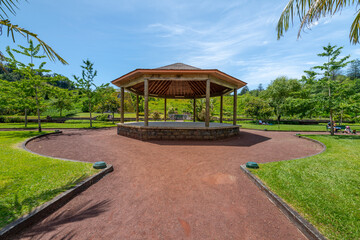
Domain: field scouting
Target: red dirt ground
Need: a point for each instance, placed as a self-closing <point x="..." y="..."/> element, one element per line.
<point x="170" y="189"/>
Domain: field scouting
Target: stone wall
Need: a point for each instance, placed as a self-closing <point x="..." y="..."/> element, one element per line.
<point x="149" y="133"/>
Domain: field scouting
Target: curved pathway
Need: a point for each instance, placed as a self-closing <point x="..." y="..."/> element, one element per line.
<point x="170" y="189"/>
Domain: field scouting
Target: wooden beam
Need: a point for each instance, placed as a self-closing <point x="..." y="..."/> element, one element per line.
<point x="132" y="82"/>
<point x="222" y="83"/>
<point x="165" y="109"/>
<point x="221" y="108"/>
<point x="235" y="106"/>
<point x="137" y="107"/>
<point x="207" y="110"/>
<point x="194" y="110"/>
<point x="146" y="107"/>
<point x="122" y="105"/>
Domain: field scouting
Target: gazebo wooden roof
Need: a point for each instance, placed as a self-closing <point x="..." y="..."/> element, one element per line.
<point x="179" y="81"/>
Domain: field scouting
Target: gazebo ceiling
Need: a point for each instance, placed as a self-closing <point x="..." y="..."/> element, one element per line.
<point x="179" y="81"/>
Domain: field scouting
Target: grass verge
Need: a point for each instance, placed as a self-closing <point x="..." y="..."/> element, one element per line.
<point x="28" y="180"/>
<point x="291" y="127"/>
<point x="324" y="188"/>
<point x="67" y="124"/>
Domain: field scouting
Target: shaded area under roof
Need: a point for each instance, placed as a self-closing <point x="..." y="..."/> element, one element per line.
<point x="179" y="80"/>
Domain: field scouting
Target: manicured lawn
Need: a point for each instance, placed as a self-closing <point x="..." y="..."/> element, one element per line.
<point x="28" y="180"/>
<point x="324" y="188"/>
<point x="291" y="127"/>
<point x="67" y="124"/>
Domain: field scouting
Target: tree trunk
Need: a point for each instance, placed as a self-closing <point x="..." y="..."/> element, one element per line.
<point x="38" y="109"/>
<point x="332" y="130"/>
<point x="26" y="120"/>
<point x="90" y="112"/>
<point x="113" y="117"/>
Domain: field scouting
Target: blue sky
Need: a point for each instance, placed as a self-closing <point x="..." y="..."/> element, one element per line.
<point x="237" y="37"/>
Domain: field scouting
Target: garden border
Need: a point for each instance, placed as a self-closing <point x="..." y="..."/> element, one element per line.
<point x="300" y="222"/>
<point x="57" y="202"/>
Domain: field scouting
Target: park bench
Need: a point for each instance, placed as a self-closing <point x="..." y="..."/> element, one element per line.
<point x="337" y="128"/>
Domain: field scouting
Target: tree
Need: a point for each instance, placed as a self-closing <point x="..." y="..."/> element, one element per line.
<point x="354" y="69"/>
<point x="328" y="84"/>
<point x="102" y="96"/>
<point x="257" y="108"/>
<point x="86" y="83"/>
<point x="244" y="90"/>
<point x="278" y="91"/>
<point x="9" y="6"/>
<point x="63" y="100"/>
<point x="260" y="87"/>
<point x="310" y="11"/>
<point x="34" y="83"/>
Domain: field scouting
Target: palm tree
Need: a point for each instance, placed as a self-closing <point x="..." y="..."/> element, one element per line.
<point x="9" y="6"/>
<point x="309" y="11"/>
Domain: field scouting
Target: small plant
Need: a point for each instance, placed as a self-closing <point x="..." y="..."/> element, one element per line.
<point x="156" y="115"/>
<point x="102" y="117"/>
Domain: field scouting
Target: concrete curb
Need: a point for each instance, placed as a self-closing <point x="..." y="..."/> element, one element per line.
<point x="301" y="223"/>
<point x="51" y="206"/>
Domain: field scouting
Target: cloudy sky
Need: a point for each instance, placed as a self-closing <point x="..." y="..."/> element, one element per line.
<point x="235" y="36"/>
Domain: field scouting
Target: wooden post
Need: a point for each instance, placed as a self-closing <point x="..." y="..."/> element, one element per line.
<point x="221" y="108"/>
<point x="122" y="105"/>
<point x="207" y="111"/>
<point x="146" y="107"/>
<point x="137" y="107"/>
<point x="194" y="111"/>
<point x="235" y="106"/>
<point x="165" y="109"/>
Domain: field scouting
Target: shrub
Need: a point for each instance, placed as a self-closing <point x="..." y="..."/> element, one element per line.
<point x="156" y="115"/>
<point x="102" y="117"/>
<point x="2" y="119"/>
<point x="13" y="120"/>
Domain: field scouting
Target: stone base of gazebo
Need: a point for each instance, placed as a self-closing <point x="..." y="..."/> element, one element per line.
<point x="177" y="130"/>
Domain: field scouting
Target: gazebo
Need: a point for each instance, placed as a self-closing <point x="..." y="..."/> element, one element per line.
<point x="176" y="81"/>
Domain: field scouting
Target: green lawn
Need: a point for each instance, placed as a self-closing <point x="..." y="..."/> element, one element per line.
<point x="324" y="188"/>
<point x="291" y="127"/>
<point x="28" y="180"/>
<point x="67" y="124"/>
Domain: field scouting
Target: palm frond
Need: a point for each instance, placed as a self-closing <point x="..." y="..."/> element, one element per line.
<point x="9" y="5"/>
<point x="51" y="54"/>
<point x="310" y="11"/>
<point x="355" y="29"/>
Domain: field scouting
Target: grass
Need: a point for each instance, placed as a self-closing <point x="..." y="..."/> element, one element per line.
<point x="291" y="127"/>
<point x="67" y="124"/>
<point x="28" y="180"/>
<point x="324" y="188"/>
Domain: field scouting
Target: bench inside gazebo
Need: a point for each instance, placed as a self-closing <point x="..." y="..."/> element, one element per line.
<point x="178" y="81"/>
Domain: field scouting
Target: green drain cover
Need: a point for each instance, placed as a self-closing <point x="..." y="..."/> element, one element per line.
<point x="252" y="165"/>
<point x="99" y="165"/>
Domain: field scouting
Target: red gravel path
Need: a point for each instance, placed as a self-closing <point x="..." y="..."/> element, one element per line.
<point x="170" y="190"/>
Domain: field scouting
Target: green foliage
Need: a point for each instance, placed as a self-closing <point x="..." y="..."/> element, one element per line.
<point x="323" y="188"/>
<point x="278" y="91"/>
<point x="330" y="89"/>
<point x="86" y="83"/>
<point x="102" y="117"/>
<point x="257" y="108"/>
<point x="63" y="100"/>
<point x="155" y="115"/>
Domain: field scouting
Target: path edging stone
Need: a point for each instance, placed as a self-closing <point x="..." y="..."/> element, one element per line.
<point x="51" y="206"/>
<point x="301" y="223"/>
